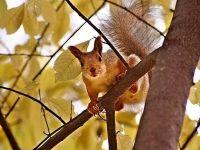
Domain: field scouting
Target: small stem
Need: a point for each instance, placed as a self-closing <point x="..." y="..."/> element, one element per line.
<point x="34" y="99"/>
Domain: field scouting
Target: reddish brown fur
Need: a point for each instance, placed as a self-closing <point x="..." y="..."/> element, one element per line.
<point x="101" y="71"/>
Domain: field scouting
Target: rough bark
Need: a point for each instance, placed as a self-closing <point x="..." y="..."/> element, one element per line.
<point x="164" y="111"/>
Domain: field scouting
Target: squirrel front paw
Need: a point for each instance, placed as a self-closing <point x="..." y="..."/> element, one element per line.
<point x="120" y="76"/>
<point x="93" y="108"/>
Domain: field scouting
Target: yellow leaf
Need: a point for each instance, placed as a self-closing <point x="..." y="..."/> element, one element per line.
<point x="76" y="134"/>
<point x="194" y="95"/>
<point x="17" y="62"/>
<point x="3" y="58"/>
<point x="198" y="65"/>
<point x="27" y="48"/>
<point x="67" y="67"/>
<point x="89" y="130"/>
<point x="62" y="107"/>
<point x="30" y="86"/>
<point x="10" y="72"/>
<point x="48" y="12"/>
<point x="87" y="7"/>
<point x="124" y="142"/>
<point x="30" y="23"/>
<point x="3" y="7"/>
<point x="187" y="128"/>
<point x="32" y="69"/>
<point x="127" y="119"/>
<point x="34" y="7"/>
<point x="12" y="19"/>
<point x="62" y="24"/>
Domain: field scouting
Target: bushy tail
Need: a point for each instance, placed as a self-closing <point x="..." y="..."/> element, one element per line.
<point x="129" y="34"/>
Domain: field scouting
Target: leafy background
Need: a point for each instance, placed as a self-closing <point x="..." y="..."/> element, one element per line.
<point x="33" y="58"/>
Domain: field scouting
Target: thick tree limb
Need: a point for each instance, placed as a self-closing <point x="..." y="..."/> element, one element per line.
<point x="131" y="76"/>
<point x="166" y="101"/>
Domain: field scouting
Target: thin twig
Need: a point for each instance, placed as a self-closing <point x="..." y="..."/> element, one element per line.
<point x="13" y="106"/>
<point x="95" y="28"/>
<point x="44" y="114"/>
<point x="8" y="133"/>
<point x="45" y="139"/>
<point x="191" y="135"/>
<point x="145" y="65"/>
<point x="23" y="68"/>
<point x="23" y="54"/>
<point x="36" y="100"/>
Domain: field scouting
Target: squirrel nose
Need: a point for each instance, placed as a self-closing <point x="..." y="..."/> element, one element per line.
<point x="92" y="70"/>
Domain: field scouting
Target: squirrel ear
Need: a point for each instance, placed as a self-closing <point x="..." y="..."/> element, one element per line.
<point x="98" y="45"/>
<point x="75" y="51"/>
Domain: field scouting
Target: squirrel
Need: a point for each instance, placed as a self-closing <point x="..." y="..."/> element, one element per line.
<point x="134" y="39"/>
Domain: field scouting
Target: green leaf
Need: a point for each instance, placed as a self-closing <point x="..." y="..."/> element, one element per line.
<point x="124" y="142"/>
<point x="48" y="12"/>
<point x="67" y="67"/>
<point x="12" y="19"/>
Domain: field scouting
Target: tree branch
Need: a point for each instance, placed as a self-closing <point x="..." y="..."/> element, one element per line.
<point x="162" y="119"/>
<point x="111" y="129"/>
<point x="98" y="31"/>
<point x="34" y="99"/>
<point x="8" y="133"/>
<point x="131" y="77"/>
<point x="26" y="63"/>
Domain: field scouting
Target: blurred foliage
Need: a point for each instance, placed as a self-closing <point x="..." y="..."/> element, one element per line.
<point x="26" y="120"/>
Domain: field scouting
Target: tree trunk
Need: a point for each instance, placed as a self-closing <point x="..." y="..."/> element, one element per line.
<point x="164" y="111"/>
